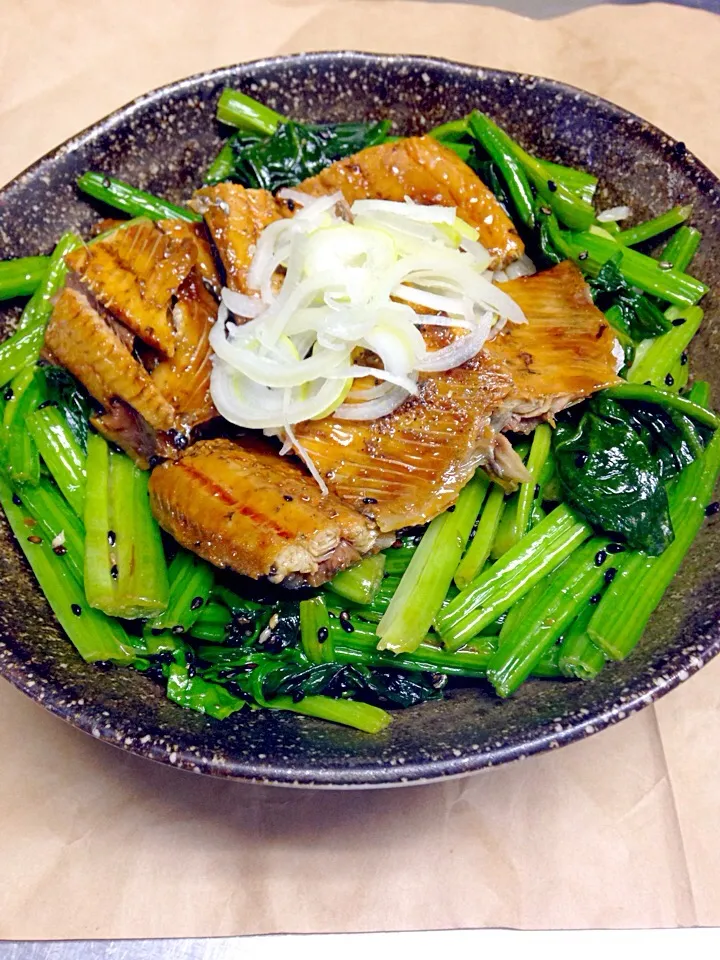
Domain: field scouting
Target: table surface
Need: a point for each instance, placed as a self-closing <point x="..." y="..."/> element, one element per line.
<point x="619" y="830"/>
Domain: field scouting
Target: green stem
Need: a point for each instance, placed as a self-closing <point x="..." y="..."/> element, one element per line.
<point x="55" y="520"/>
<point x="539" y="552"/>
<point x="580" y="658"/>
<point x="592" y="251"/>
<point x="651" y="228"/>
<point x="452" y="130"/>
<point x="361" y="582"/>
<point x="23" y="460"/>
<point x="142" y="579"/>
<point x="21" y="277"/>
<point x="548" y="666"/>
<point x="239" y="110"/>
<point x="349" y="713"/>
<point x="539" y="452"/>
<point x="646" y="393"/>
<point x="315" y="631"/>
<point x="23" y="347"/>
<point x="191" y="580"/>
<point x="505" y="160"/>
<point x="654" y="358"/>
<point x="136" y="203"/>
<point x="61" y="453"/>
<point x="581" y="182"/>
<point x="565" y="594"/>
<point x="95" y="636"/>
<point x="568" y="207"/>
<point x="222" y="166"/>
<point x="481" y="545"/>
<point x="100" y="585"/>
<point x="620" y="619"/>
<point x="426" y="581"/>
<point x="681" y="247"/>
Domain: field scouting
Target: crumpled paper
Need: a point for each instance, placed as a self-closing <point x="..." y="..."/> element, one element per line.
<point x="619" y="830"/>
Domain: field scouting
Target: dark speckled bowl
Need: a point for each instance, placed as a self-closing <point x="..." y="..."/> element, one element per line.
<point x="163" y="142"/>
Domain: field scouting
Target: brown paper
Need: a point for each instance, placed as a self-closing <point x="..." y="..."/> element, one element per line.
<point x="619" y="830"/>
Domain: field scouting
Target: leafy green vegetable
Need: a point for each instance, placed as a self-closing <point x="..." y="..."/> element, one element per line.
<point x="639" y="317"/>
<point x="296" y="151"/>
<point x="66" y="393"/>
<point x="610" y="473"/>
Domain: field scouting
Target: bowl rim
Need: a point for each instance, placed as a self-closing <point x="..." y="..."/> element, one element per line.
<point x="366" y="776"/>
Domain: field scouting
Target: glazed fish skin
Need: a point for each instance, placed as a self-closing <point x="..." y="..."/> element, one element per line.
<point x="235" y="218"/>
<point x="204" y="257"/>
<point x="80" y="339"/>
<point x="408" y="467"/>
<point x="184" y="378"/>
<point x="564" y="352"/>
<point x="239" y="505"/>
<point x="429" y="173"/>
<point x="134" y="273"/>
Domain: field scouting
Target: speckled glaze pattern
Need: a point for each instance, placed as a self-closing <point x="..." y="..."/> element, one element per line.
<point x="163" y="142"/>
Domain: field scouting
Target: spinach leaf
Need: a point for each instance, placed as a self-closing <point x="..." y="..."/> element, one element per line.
<point x="609" y="473"/>
<point x="71" y="398"/>
<point x="363" y="683"/>
<point x="638" y="316"/>
<point x="297" y="151"/>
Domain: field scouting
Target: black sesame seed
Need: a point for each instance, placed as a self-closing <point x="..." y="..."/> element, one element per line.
<point x="665" y="265"/>
<point x="712" y="508"/>
<point x="679" y="148"/>
<point x="669" y="379"/>
<point x="584" y="255"/>
<point x="34" y="539"/>
<point x="678" y="321"/>
<point x="16" y="500"/>
<point x="536" y="493"/>
<point x="322" y="634"/>
<point x="595" y="598"/>
<point x="191" y="671"/>
<point x="451" y="508"/>
<point x="615" y="548"/>
<point x="106" y="183"/>
<point x="286" y="496"/>
<point x="76" y="609"/>
<point x="344" y="614"/>
<point x="178" y="629"/>
<point x="648" y="383"/>
<point x="369" y="500"/>
<point x="47" y="403"/>
<point x="600" y="558"/>
<point x="581" y="459"/>
<point x="298" y="696"/>
<point x="115" y="448"/>
<point x="114" y="572"/>
<point x="290" y="205"/>
<point x="552" y="186"/>
<point x="683" y="359"/>
<point x="9" y="394"/>
<point x="546" y="210"/>
<point x="610" y="574"/>
<point x="154" y="461"/>
<point x="60" y="550"/>
<point x="111" y="537"/>
<point x="347" y="626"/>
<point x="197" y="602"/>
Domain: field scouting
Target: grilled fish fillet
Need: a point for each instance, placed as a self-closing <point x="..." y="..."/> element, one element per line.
<point x="235" y="218"/>
<point x="240" y="505"/>
<point x="408" y="467"/>
<point x="204" y="258"/>
<point x="134" y="273"/>
<point x="79" y="338"/>
<point x="184" y="378"/>
<point x="428" y="173"/>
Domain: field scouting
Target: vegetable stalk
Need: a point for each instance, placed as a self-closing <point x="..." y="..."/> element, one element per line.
<point x="136" y="203"/>
<point x="21" y="277"/>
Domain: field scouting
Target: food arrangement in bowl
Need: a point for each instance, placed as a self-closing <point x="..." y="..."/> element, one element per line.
<point x="368" y="417"/>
